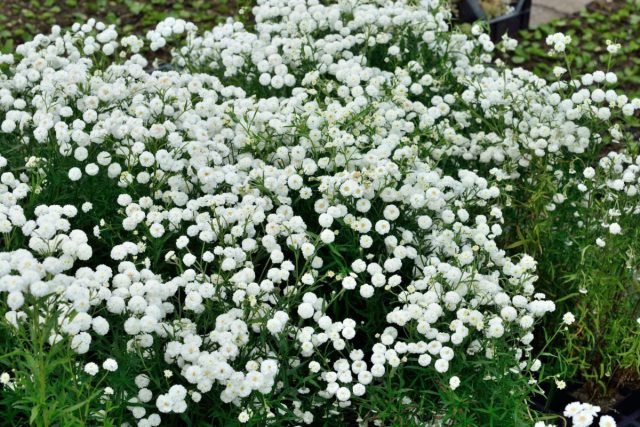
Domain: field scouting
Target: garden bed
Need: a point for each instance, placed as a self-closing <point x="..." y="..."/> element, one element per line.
<point x="347" y="213"/>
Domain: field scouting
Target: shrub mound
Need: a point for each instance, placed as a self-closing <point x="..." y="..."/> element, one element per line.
<point x="330" y="219"/>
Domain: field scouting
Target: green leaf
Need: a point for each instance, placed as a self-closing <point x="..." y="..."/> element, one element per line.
<point x="7" y="46"/>
<point x="35" y="412"/>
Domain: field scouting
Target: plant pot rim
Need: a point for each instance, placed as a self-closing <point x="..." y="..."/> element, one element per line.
<point x="477" y="10"/>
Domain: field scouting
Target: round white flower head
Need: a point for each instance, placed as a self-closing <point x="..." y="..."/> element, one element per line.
<point x="110" y="365"/>
<point x="615" y="228"/>
<point x="568" y="318"/>
<point x="75" y="174"/>
<point x="91" y="368"/>
<point x="454" y="382"/>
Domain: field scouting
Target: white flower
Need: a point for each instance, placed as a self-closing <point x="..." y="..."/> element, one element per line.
<point x="81" y="342"/>
<point x="612" y="48"/>
<point x="454" y="382"/>
<point x="391" y="212"/>
<point x="343" y="394"/>
<point x="607" y="421"/>
<point x="568" y="318"/>
<point x="91" y="368"/>
<point x="110" y="365"/>
<point x="163" y="403"/>
<point x="536" y="365"/>
<point x="5" y="378"/>
<point x="189" y="259"/>
<point x="142" y="381"/>
<point x="615" y="228"/>
<point x="572" y="409"/>
<point x="558" y="41"/>
<point x="325" y="220"/>
<point x="244" y="417"/>
<point x="582" y="419"/>
<point x="100" y="325"/>
<point x="367" y="291"/>
<point x="314" y="367"/>
<point x="441" y="365"/>
<point x="295" y="182"/>
<point x="75" y="174"/>
<point x="424" y="360"/>
<point x="382" y="227"/>
<point x="611" y="78"/>
<point x="8" y="126"/>
<point x="305" y="310"/>
<point x="559" y="71"/>
<point x="349" y="283"/>
<point x="156" y="230"/>
<point x="327" y="236"/>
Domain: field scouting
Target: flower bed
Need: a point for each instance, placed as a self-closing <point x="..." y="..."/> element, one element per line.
<point x="327" y="220"/>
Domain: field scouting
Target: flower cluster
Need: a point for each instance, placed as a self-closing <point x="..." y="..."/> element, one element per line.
<point x="583" y="415"/>
<point x="291" y="220"/>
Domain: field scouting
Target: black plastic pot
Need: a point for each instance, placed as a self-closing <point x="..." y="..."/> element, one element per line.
<point x="511" y="23"/>
<point x="626" y="411"/>
<point x="163" y="66"/>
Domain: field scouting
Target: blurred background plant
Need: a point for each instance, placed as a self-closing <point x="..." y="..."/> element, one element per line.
<point x="616" y="21"/>
<point x="494" y="8"/>
<point x="491" y="8"/>
<point x="20" y="20"/>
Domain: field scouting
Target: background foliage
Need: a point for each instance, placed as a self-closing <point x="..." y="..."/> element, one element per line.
<point x="20" y="20"/>
<point x="602" y="20"/>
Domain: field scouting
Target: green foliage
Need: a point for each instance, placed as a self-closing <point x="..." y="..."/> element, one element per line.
<point x="56" y="391"/>
<point x="599" y="285"/>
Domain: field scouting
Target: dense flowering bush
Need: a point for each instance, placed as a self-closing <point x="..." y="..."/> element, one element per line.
<point x="316" y="222"/>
